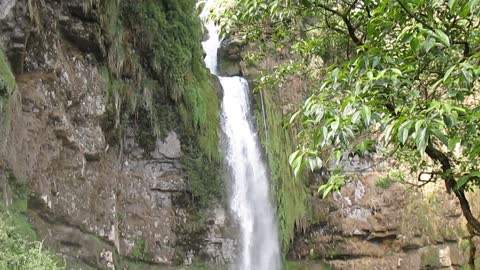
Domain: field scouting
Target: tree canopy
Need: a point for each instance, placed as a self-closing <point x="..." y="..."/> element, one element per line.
<point x="399" y="78"/>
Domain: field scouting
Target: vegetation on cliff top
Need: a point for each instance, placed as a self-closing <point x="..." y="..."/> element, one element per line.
<point x="403" y="82"/>
<point x="19" y="248"/>
<point x="156" y="78"/>
<point x="21" y="254"/>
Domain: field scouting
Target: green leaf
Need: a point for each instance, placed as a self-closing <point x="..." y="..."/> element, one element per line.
<point x="293" y="156"/>
<point x="366" y="114"/>
<point x="370" y="75"/>
<point x="467" y="76"/>
<point x="315" y="163"/>
<point x="355" y="117"/>
<point x="448" y="121"/>
<point x="294" y="117"/>
<point x="334" y="125"/>
<point x="327" y="191"/>
<point x="465" y="11"/>
<point x="403" y="131"/>
<point x="447" y="74"/>
<point x="462" y="181"/>
<point x="452" y="142"/>
<point x="418" y="125"/>
<point x="440" y="136"/>
<point x="297" y="169"/>
<point x="451" y="3"/>
<point x="338" y="155"/>
<point x="397" y="71"/>
<point x="429" y="44"/>
<point x="475" y="151"/>
<point x="415" y="44"/>
<point x="388" y="132"/>
<point x="421" y="141"/>
<point x="442" y="37"/>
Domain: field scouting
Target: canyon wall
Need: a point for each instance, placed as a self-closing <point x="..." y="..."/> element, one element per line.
<point x="109" y="140"/>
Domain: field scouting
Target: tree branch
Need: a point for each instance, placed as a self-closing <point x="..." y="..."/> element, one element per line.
<point x="450" y="183"/>
<point x="466" y="47"/>
<point x="413" y="16"/>
<point x="350" y="28"/>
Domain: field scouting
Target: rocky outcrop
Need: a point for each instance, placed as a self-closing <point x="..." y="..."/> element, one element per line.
<point x="373" y="227"/>
<point x="229" y="57"/>
<point x="102" y="203"/>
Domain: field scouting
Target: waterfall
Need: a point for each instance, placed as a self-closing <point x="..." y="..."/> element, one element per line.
<point x="250" y="200"/>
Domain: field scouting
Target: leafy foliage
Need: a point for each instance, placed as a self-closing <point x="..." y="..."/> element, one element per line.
<point x="18" y="253"/>
<point x="409" y="89"/>
<point x="18" y="246"/>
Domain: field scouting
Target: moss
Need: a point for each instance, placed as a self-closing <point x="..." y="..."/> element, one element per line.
<point x="17" y="252"/>
<point x="170" y="40"/>
<point x="17" y="210"/>
<point x="306" y="266"/>
<point x="204" y="174"/>
<point x="431" y="259"/>
<point x="7" y="79"/>
<point x="140" y="251"/>
<point x="464" y="244"/>
<point x="171" y="46"/>
<point x="165" y="39"/>
<point x="201" y="116"/>
<point x="290" y="192"/>
<point x="7" y="87"/>
<point x="393" y="176"/>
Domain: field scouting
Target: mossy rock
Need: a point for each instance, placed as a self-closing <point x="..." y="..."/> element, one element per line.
<point x="7" y="79"/>
<point x="431" y="259"/>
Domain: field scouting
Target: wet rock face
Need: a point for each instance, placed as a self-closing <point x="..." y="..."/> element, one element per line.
<point x="91" y="199"/>
<point x="229" y="56"/>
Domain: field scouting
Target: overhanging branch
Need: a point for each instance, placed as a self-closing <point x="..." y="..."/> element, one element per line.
<point x="450" y="183"/>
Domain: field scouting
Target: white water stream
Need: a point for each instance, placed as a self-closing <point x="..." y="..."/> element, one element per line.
<point x="250" y="199"/>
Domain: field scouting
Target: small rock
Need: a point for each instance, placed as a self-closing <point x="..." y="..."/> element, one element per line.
<point x="170" y="147"/>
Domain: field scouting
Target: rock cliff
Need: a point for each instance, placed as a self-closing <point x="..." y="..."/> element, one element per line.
<point x="100" y="141"/>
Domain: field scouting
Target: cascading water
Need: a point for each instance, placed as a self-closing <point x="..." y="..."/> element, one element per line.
<point x="250" y="199"/>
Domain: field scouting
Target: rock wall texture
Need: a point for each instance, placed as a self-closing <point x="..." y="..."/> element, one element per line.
<point x="366" y="226"/>
<point x="100" y="203"/>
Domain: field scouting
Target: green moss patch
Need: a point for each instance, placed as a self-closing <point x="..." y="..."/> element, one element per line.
<point x="156" y="81"/>
<point x="18" y="253"/>
<point x="7" y="79"/>
<point x="290" y="192"/>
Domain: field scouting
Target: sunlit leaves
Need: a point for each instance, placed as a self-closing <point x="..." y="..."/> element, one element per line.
<point x="412" y="82"/>
<point x="333" y="183"/>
